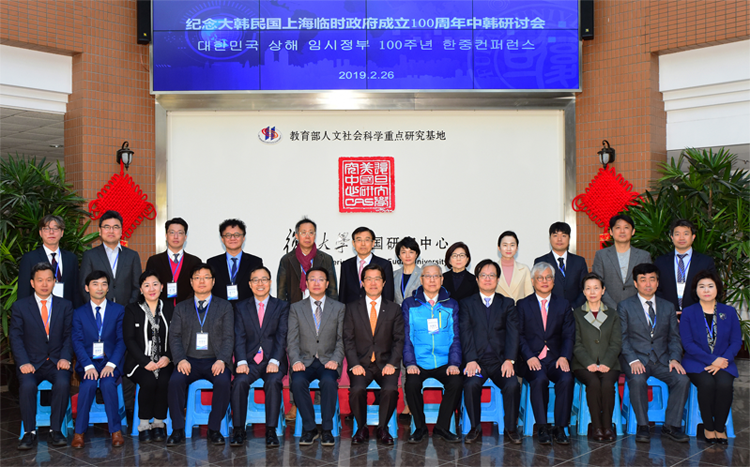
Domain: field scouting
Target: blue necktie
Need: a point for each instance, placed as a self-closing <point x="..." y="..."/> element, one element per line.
<point x="562" y="266"/>
<point x="99" y="320"/>
<point x="234" y="269"/>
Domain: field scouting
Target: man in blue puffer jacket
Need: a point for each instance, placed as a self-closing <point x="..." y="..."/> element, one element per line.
<point x="432" y="350"/>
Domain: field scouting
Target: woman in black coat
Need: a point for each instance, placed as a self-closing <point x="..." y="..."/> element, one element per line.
<point x="145" y="329"/>
<point x="459" y="282"/>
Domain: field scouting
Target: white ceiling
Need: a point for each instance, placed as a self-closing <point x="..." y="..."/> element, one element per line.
<point x="31" y="133"/>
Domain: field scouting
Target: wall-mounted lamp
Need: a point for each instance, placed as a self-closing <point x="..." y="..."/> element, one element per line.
<point x="125" y="155"/>
<point x="606" y="154"/>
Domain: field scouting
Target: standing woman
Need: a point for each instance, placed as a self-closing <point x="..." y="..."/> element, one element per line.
<point x="145" y="329"/>
<point x="515" y="279"/>
<point x="406" y="279"/>
<point x="459" y="282"/>
<point x="598" y="344"/>
<point x="711" y="337"/>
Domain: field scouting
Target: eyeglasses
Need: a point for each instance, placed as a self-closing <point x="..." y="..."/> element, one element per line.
<point x="260" y="280"/>
<point x="316" y="281"/>
<point x="431" y="277"/>
<point x="111" y="227"/>
<point x="487" y="276"/>
<point x="362" y="240"/>
<point x="204" y="278"/>
<point x="544" y="278"/>
<point x="234" y="235"/>
<point x="51" y="229"/>
<point x="458" y="256"/>
<point x="306" y="234"/>
<point x="176" y="232"/>
<point x="373" y="279"/>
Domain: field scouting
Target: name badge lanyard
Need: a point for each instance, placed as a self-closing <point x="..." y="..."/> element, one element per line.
<point x="100" y="327"/>
<point x="199" y="315"/>
<point x="114" y="265"/>
<point x="176" y="268"/>
<point x="403" y="285"/>
<point x="303" y="269"/>
<point x="653" y="324"/>
<point x="233" y="277"/>
<point x="712" y="328"/>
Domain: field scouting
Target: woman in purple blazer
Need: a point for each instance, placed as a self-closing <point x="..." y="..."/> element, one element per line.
<point x="711" y="337"/>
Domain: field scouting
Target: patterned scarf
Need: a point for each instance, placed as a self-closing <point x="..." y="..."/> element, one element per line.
<point x="306" y="262"/>
<point x="153" y="320"/>
<point x="711" y="335"/>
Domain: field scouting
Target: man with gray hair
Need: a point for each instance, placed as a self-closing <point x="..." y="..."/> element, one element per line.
<point x="547" y="335"/>
<point x="432" y="349"/>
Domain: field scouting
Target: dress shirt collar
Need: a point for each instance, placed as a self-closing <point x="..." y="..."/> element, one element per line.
<point x="230" y="256"/>
<point x="48" y="251"/>
<point x="378" y="301"/>
<point x="39" y="302"/>
<point x="367" y="260"/>
<point x="179" y="254"/>
<point x="111" y="251"/>
<point x="322" y="303"/>
<point x="485" y="297"/>
<point x="689" y="254"/>
<point x="428" y="298"/>
<point x="264" y="302"/>
<point x="564" y="257"/>
<point x="207" y="300"/>
<point x="645" y="305"/>
<point x="103" y="307"/>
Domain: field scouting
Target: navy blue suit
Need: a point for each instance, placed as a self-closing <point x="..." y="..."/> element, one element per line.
<point x="667" y="266"/>
<point x="71" y="292"/>
<point x="559" y="337"/>
<point x="85" y="333"/>
<point x="29" y="342"/>
<point x="568" y="285"/>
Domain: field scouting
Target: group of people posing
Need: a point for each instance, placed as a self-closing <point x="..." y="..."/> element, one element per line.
<point x="184" y="320"/>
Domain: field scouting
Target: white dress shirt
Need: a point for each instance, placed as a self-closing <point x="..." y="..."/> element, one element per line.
<point x="58" y="258"/>
<point x="113" y="255"/>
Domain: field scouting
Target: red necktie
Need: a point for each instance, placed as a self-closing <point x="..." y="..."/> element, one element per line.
<point x="544" y="321"/>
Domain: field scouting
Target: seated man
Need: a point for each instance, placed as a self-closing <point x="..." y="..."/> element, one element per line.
<point x="489" y="343"/>
<point x="547" y="330"/>
<point x="201" y="337"/>
<point x="260" y="327"/>
<point x="100" y="351"/>
<point x="42" y="352"/>
<point x="374" y="341"/>
<point x="432" y="349"/>
<point x="316" y="351"/>
<point x="651" y="346"/>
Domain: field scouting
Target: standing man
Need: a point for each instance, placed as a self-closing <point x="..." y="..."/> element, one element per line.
<point x="260" y="328"/>
<point x="174" y="265"/>
<point x="615" y="264"/>
<point x="570" y="268"/>
<point x="678" y="268"/>
<point x="651" y="346"/>
<point x="40" y="340"/>
<point x="233" y="267"/>
<point x="100" y="352"/>
<point x="64" y="263"/>
<point x="316" y="351"/>
<point x="432" y="349"/>
<point x="489" y="342"/>
<point x="374" y="342"/>
<point x="351" y="287"/>
<point x="201" y="338"/>
<point x="547" y="330"/>
<point x="121" y="264"/>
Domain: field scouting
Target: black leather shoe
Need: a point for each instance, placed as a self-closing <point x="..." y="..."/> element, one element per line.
<point x="57" y="439"/>
<point x="144" y="436"/>
<point x="327" y="439"/>
<point x="27" y="442"/>
<point x="215" y="437"/>
<point x="474" y="435"/>
<point x="675" y="434"/>
<point x="177" y="437"/>
<point x="446" y="435"/>
<point x="361" y="436"/>
<point x="643" y="435"/>
<point x="544" y="435"/>
<point x="560" y="436"/>
<point x="272" y="441"/>
<point x="308" y="437"/>
<point x="237" y="439"/>
<point x="158" y="435"/>
<point x="513" y="436"/>
<point x="722" y="441"/>
<point x="384" y="437"/>
<point x="418" y="436"/>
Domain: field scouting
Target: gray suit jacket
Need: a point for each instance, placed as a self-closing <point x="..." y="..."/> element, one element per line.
<point x="608" y="267"/>
<point x="411" y="286"/>
<point x="636" y="332"/>
<point x="124" y="287"/>
<point x="303" y="343"/>
<point x="219" y="325"/>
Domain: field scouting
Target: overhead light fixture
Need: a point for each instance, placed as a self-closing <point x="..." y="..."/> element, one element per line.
<point x="125" y="155"/>
<point x="56" y="146"/>
<point x="606" y="154"/>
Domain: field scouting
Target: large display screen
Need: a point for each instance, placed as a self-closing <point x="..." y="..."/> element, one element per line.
<point x="310" y="45"/>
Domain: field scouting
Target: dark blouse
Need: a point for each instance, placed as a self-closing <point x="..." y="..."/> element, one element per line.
<point x="460" y="287"/>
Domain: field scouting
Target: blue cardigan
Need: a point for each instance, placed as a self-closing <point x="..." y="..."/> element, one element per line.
<point x="694" y="341"/>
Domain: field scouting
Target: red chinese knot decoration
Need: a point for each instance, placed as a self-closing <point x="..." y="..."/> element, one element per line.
<point x="607" y="194"/>
<point x="366" y="184"/>
<point x="123" y="195"/>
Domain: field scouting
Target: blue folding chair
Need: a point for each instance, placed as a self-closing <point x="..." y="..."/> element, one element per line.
<point x="657" y="407"/>
<point x="692" y="415"/>
<point x="431" y="411"/>
<point x="526" y="413"/>
<point x="373" y="416"/>
<point x="197" y="413"/>
<point x="492" y="411"/>
<point x="137" y="421"/>
<point x="44" y="412"/>
<point x="581" y="409"/>
<point x="98" y="414"/>
<point x="318" y="416"/>
<point x="256" y="413"/>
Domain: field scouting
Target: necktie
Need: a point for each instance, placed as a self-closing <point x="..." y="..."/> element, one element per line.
<point x="487" y="309"/>
<point x="487" y="302"/>
<point x="261" y="314"/>
<point x="318" y="315"/>
<point x="234" y="269"/>
<point x="432" y="302"/>
<point x="201" y="308"/>
<point x="99" y="320"/>
<point x="361" y="267"/>
<point x="681" y="269"/>
<point x="651" y="314"/>
<point x="58" y="276"/>
<point x="373" y="322"/>
<point x="176" y="255"/>
<point x="45" y="316"/>
<point x="544" y="321"/>
<point x="562" y="266"/>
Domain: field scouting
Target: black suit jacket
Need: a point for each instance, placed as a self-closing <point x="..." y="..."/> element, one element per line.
<point x="568" y="286"/>
<point x="559" y="337"/>
<point x="28" y="339"/>
<point x="160" y="263"/>
<point x="250" y="335"/>
<point x="467" y="288"/>
<point x="500" y="333"/>
<point x="349" y="288"/>
<point x="667" y="265"/>
<point x="248" y="262"/>
<point x="71" y="291"/>
<point x="219" y="325"/>
<point x="136" y="331"/>
<point x="360" y="343"/>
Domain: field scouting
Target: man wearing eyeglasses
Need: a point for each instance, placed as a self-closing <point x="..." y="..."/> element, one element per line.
<point x="547" y="334"/>
<point x="260" y="327"/>
<point x="201" y="338"/>
<point x="233" y="267"/>
<point x="174" y="264"/>
<point x="64" y="263"/>
<point x="121" y="264"/>
<point x="489" y="341"/>
<point x="351" y="287"/>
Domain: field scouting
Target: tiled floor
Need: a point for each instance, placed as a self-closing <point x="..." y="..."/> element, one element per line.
<point x="494" y="451"/>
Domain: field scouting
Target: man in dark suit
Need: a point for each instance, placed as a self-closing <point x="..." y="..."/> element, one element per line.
<point x="373" y="342"/>
<point x="651" y="346"/>
<point x="488" y="323"/>
<point x="122" y="265"/>
<point x="569" y="268"/>
<point x="100" y="352"/>
<point x="316" y="351"/>
<point x="677" y="269"/>
<point x="64" y="263"/>
<point x="351" y="287"/>
<point x="174" y="264"/>
<point x="201" y="338"/>
<point x="233" y="267"/>
<point x="260" y="327"/>
<point x="40" y="340"/>
<point x="547" y="330"/>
